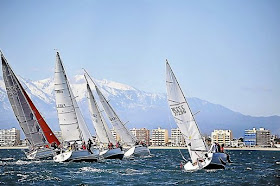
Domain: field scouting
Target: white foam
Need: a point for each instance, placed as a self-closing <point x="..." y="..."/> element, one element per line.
<point x="20" y="162"/>
<point x="7" y="159"/>
<point x="90" y="169"/>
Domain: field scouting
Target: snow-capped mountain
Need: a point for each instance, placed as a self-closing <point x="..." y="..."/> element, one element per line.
<point x="140" y="108"/>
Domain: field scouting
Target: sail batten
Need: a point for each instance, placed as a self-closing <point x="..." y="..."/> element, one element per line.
<point x="183" y="116"/>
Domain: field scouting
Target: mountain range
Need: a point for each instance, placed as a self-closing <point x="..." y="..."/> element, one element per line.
<point x="139" y="108"/>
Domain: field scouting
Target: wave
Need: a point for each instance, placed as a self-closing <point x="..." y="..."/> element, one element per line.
<point x="90" y="169"/>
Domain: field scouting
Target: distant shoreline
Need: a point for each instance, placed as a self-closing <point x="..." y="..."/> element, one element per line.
<point x="14" y="147"/>
<point x="228" y="148"/>
<point x="161" y="147"/>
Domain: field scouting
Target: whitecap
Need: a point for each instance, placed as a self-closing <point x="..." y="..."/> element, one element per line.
<point x="249" y="168"/>
<point x="90" y="169"/>
<point x="20" y="162"/>
<point x="277" y="162"/>
<point x="23" y="177"/>
<point x="7" y="159"/>
<point x="133" y="172"/>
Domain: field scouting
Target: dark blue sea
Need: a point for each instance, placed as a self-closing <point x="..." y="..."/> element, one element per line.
<point x="248" y="168"/>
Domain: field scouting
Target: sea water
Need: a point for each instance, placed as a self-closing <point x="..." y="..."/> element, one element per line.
<point x="163" y="168"/>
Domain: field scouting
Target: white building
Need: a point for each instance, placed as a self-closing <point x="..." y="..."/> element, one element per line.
<point x="159" y="137"/>
<point x="177" y="139"/>
<point x="222" y="137"/>
<point x="115" y="135"/>
<point x="9" y="137"/>
<point x="141" y="134"/>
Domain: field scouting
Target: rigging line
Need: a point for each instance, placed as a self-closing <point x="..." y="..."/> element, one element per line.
<point x="174" y="101"/>
<point x="134" y="139"/>
<point x="16" y="83"/>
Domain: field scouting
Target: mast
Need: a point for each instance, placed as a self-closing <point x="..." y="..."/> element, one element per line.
<point x="71" y="121"/>
<point x="120" y="128"/>
<point x="183" y="116"/>
<point x="100" y="125"/>
<point x="35" y="129"/>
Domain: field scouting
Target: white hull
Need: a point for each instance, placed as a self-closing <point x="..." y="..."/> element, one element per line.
<point x="77" y="156"/>
<point x="39" y="153"/>
<point x="137" y="151"/>
<point x="112" y="154"/>
<point x="214" y="161"/>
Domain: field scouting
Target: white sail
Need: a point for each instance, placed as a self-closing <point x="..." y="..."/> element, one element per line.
<point x="72" y="124"/>
<point x="102" y="131"/>
<point x="22" y="110"/>
<point x="126" y="136"/>
<point x="184" y="117"/>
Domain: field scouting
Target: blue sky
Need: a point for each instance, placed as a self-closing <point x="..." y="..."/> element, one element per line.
<point x="226" y="52"/>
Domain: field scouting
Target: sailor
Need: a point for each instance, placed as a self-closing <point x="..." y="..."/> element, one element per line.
<point x="54" y="145"/>
<point x="89" y="146"/>
<point x="218" y="147"/>
<point x="222" y="148"/>
<point x="110" y="145"/>
<point x="84" y="146"/>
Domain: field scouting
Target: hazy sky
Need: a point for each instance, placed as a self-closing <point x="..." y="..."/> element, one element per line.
<point x="225" y="52"/>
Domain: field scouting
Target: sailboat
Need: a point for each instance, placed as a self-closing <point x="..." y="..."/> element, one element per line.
<point x="104" y="135"/>
<point x="37" y="132"/>
<point x="201" y="156"/>
<point x="77" y="140"/>
<point x="135" y="149"/>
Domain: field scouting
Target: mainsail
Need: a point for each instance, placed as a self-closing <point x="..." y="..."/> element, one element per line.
<point x="184" y="117"/>
<point x="103" y="133"/>
<point x="71" y="121"/>
<point x="36" y="130"/>
<point x="127" y="137"/>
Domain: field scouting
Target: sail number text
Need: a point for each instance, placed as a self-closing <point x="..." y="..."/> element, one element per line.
<point x="113" y="118"/>
<point x="180" y="110"/>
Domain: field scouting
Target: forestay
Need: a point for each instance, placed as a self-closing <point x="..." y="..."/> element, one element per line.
<point x="104" y="135"/>
<point x="184" y="117"/>
<point x="127" y="137"/>
<point x="21" y="107"/>
<point x="71" y="122"/>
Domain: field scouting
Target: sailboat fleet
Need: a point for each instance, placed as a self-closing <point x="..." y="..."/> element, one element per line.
<point x="77" y="142"/>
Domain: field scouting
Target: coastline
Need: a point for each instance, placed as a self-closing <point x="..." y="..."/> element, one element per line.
<point x="227" y="148"/>
<point x="14" y="147"/>
<point x="164" y="147"/>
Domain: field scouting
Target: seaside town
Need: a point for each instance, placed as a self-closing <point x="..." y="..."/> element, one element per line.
<point x="160" y="138"/>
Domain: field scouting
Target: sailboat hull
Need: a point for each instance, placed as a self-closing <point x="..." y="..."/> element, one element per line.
<point x="42" y="153"/>
<point x="214" y="161"/>
<point x="197" y="166"/>
<point x="137" y="151"/>
<point x="112" y="154"/>
<point x="77" y="156"/>
<point x="218" y="160"/>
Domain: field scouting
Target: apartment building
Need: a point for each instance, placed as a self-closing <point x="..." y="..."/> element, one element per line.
<point x="141" y="134"/>
<point x="9" y="137"/>
<point x="222" y="137"/>
<point x="177" y="139"/>
<point x="159" y="137"/>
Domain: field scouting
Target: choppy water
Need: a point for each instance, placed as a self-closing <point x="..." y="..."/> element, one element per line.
<point x="249" y="168"/>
